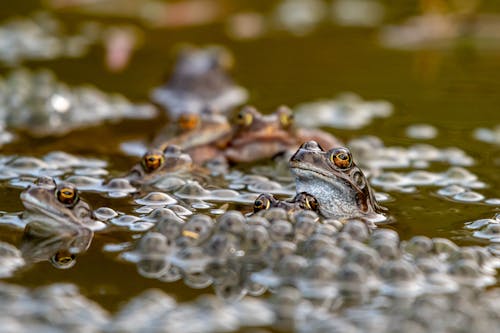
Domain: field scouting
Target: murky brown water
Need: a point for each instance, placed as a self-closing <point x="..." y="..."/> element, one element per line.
<point x="456" y="90"/>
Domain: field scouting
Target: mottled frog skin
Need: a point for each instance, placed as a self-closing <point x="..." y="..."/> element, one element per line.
<point x="200" y="81"/>
<point x="335" y="181"/>
<point x="256" y="136"/>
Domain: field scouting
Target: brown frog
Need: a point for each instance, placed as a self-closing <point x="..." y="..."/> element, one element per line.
<point x="59" y="224"/>
<point x="256" y="136"/>
<point x="302" y="201"/>
<point x="200" y="81"/>
<point x="157" y="163"/>
<point x="203" y="136"/>
<point x="337" y="183"/>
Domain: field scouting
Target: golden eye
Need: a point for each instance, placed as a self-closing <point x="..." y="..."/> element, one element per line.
<point x="341" y="157"/>
<point x="263" y="202"/>
<point x="67" y="195"/>
<point x="189" y="121"/>
<point x="152" y="161"/>
<point x="244" y="117"/>
<point x="311" y="203"/>
<point x="63" y="259"/>
<point x="285" y="116"/>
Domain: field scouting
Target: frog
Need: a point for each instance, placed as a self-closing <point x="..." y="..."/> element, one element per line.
<point x="200" y="80"/>
<point x="301" y="201"/>
<point x="59" y="223"/>
<point x="166" y="168"/>
<point x="56" y="205"/>
<point x="256" y="136"/>
<point x="201" y="135"/>
<point x="337" y="183"/>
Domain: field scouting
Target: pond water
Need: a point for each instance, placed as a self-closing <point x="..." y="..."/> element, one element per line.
<point x="453" y="89"/>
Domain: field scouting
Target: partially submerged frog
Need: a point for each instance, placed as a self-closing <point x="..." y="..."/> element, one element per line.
<point x="56" y="205"/>
<point x="158" y="165"/>
<point x="333" y="178"/>
<point x="257" y="136"/>
<point x="302" y="201"/>
<point x="59" y="223"/>
<point x="200" y="81"/>
<point x="202" y="136"/>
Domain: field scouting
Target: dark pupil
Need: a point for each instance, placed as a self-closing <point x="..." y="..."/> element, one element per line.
<point x="259" y="203"/>
<point x="67" y="193"/>
<point x="342" y="156"/>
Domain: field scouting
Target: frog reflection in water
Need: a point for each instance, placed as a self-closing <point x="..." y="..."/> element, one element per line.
<point x="257" y="137"/>
<point x="58" y="223"/>
<point x="335" y="181"/>
<point x="302" y="201"/>
<point x="200" y="81"/>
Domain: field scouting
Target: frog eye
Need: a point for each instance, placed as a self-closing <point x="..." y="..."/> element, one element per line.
<point x="263" y="202"/>
<point x="67" y="195"/>
<point x="285" y="116"/>
<point x="311" y="203"/>
<point x="341" y="157"/>
<point x="152" y="161"/>
<point x="188" y="121"/>
<point x="63" y="259"/>
<point x="244" y="117"/>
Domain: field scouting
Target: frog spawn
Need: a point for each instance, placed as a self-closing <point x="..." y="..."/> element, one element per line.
<point x="324" y="260"/>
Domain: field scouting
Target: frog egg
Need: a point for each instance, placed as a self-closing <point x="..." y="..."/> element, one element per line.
<point x="419" y="246"/>
<point x="10" y="259"/>
<point x="124" y="220"/>
<point x="397" y="271"/>
<point x="333" y="254"/>
<point x="478" y="224"/>
<point x="105" y="213"/>
<point x="319" y="269"/>
<point x="362" y="255"/>
<point x="274" y="214"/>
<point x="255" y="289"/>
<point x="152" y="266"/>
<point x="153" y="242"/>
<point x="326" y="230"/>
<point x="291" y="265"/>
<point x="85" y="182"/>
<point x="305" y="214"/>
<point x="199" y="227"/>
<point x="160" y="214"/>
<point x="316" y="243"/>
<point x="456" y="175"/>
<point x="304" y="228"/>
<point x="357" y="230"/>
<point x="258" y="220"/>
<point x="335" y="223"/>
<point x="451" y="190"/>
<point x="278" y="250"/>
<point x="281" y="230"/>
<point x="444" y="246"/>
<point x="156" y="199"/>
<point x="192" y="190"/>
<point x="119" y="185"/>
<point x="191" y="259"/>
<point x="386" y="250"/>
<point x="221" y="245"/>
<point x="232" y="222"/>
<point x="352" y="275"/>
<point x="256" y="239"/>
<point x="465" y="269"/>
<point x="231" y="288"/>
<point x="285" y="302"/>
<point x="389" y="180"/>
<point x="197" y="280"/>
<point x="421" y="131"/>
<point x="468" y="196"/>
